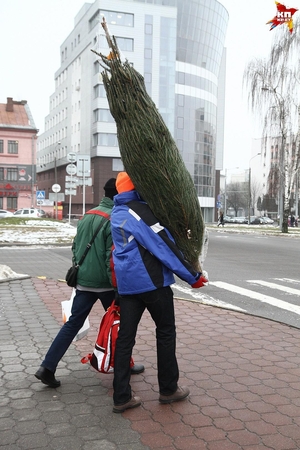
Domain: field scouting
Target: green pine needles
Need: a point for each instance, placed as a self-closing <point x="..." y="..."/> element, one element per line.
<point x="150" y="155"/>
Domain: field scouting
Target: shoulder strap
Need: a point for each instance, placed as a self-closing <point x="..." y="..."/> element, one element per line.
<point x="100" y="213"/>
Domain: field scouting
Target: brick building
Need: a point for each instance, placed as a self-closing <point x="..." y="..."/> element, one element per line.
<point x="18" y="135"/>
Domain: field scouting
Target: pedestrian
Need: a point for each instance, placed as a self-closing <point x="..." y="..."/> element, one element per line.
<point x="221" y="219"/>
<point x="95" y="280"/>
<point x="145" y="258"/>
<point x="292" y="220"/>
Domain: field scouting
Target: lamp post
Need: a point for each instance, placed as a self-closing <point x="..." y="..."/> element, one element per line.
<point x="55" y="177"/>
<point x="249" y="187"/>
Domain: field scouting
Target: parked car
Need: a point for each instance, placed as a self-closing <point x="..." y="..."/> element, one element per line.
<point x="29" y="212"/>
<point x="254" y="220"/>
<point x="241" y="219"/>
<point x="267" y="220"/>
<point x="4" y="213"/>
<point x="228" y="219"/>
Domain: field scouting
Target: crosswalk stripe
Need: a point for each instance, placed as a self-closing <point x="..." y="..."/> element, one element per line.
<point x="257" y="296"/>
<point x="204" y="298"/>
<point x="287" y="280"/>
<point x="279" y="287"/>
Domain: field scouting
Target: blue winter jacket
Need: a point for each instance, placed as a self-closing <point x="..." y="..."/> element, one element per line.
<point x="145" y="254"/>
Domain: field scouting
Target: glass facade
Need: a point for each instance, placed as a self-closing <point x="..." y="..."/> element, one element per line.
<point x="201" y="30"/>
<point x="200" y="36"/>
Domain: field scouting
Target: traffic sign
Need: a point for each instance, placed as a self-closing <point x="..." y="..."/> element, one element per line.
<point x="56" y="188"/>
<point x="87" y="181"/>
<point x="219" y="204"/>
<point x="69" y="178"/>
<point x="71" y="157"/>
<point x="71" y="169"/>
<point x="83" y="165"/>
<point x="70" y="191"/>
<point x="70" y="185"/>
<point x="40" y="195"/>
<point x="57" y="197"/>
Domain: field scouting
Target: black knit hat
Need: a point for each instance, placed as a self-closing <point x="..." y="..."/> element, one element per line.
<point x="110" y="188"/>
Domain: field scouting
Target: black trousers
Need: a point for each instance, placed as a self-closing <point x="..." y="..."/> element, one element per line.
<point x="160" y="305"/>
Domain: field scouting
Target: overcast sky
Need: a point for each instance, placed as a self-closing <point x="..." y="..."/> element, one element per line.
<point x="33" y="30"/>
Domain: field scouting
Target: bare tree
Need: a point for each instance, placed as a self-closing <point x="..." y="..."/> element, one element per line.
<point x="273" y="93"/>
<point x="237" y="196"/>
<point x="256" y="191"/>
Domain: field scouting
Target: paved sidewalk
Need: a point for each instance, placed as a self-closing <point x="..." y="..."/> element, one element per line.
<point x="243" y="373"/>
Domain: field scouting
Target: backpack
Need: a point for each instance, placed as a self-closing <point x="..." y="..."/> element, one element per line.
<point x="102" y="358"/>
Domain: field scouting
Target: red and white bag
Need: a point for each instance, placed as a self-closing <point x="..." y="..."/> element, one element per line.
<point x="102" y="358"/>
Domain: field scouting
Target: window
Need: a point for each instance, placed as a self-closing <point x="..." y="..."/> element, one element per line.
<point x="148" y="77"/>
<point x="99" y="90"/>
<point x="1" y="145"/>
<point x="117" y="165"/>
<point x="1" y="173"/>
<point x="97" y="68"/>
<point x="148" y="28"/>
<point x="103" y="115"/>
<point x="1" y="202"/>
<point x="148" y="53"/>
<point x="12" y="202"/>
<point x="106" y="139"/>
<point x="12" y="174"/>
<point x="13" y="147"/>
<point x="112" y="17"/>
<point x="124" y="44"/>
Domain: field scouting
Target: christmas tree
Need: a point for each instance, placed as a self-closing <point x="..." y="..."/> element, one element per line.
<point x="149" y="153"/>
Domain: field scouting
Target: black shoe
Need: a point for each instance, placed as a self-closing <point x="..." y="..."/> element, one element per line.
<point x="137" y="368"/>
<point x="47" y="377"/>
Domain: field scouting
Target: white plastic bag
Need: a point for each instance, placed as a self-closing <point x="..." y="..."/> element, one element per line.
<point x="66" y="307"/>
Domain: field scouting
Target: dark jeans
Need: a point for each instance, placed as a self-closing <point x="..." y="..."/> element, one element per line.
<point x="161" y="307"/>
<point x="82" y="305"/>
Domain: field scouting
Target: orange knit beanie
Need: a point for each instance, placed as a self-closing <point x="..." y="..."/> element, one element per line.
<point x="124" y="183"/>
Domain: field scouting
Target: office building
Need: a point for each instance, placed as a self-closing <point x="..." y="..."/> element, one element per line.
<point x="18" y="135"/>
<point x="178" y="46"/>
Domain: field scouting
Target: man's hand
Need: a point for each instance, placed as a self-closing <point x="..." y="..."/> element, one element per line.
<point x="201" y="282"/>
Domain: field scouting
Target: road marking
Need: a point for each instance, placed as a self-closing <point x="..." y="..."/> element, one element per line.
<point x="287" y="280"/>
<point x="257" y="296"/>
<point x="205" y="299"/>
<point x="276" y="286"/>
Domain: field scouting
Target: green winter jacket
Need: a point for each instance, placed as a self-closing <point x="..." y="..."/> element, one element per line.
<point x="97" y="269"/>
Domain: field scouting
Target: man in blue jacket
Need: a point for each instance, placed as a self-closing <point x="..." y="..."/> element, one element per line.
<point x="145" y="258"/>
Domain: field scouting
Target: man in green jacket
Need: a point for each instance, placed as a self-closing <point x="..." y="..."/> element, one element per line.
<point x="95" y="280"/>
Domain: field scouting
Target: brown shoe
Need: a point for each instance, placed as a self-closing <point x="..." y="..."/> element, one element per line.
<point x="133" y="403"/>
<point x="180" y="394"/>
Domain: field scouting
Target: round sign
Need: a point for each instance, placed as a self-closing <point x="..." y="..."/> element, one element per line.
<point x="71" y="157"/>
<point x="56" y="188"/>
<point x="71" y="169"/>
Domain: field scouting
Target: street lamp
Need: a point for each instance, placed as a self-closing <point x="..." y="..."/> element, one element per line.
<point x="55" y="176"/>
<point x="249" y="186"/>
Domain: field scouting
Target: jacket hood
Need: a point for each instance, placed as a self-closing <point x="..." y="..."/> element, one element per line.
<point x="126" y="197"/>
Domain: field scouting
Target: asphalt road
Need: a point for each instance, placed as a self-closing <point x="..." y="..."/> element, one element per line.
<point x="255" y="274"/>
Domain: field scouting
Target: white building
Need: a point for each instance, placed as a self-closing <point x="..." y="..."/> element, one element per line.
<point x="178" y="46"/>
